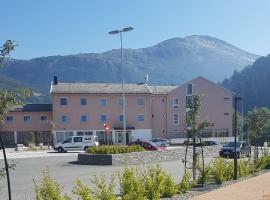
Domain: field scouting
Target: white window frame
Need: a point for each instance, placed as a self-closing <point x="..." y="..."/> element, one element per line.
<point x="100" y="100"/>
<point x="28" y="120"/>
<point x="85" y="101"/>
<point x="120" y="118"/>
<point x="101" y="117"/>
<point x="82" y="120"/>
<point x="138" y="118"/>
<point x="11" y="120"/>
<point x="62" y="119"/>
<point x="44" y="121"/>
<point x="191" y="89"/>
<point x="138" y="101"/>
<point x="178" y="118"/>
<point x="63" y="98"/>
<point x="174" y="102"/>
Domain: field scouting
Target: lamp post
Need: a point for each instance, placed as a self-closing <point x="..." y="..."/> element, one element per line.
<point x="122" y="71"/>
<point x="235" y="131"/>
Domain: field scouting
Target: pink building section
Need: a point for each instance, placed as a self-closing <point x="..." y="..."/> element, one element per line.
<point x="151" y="111"/>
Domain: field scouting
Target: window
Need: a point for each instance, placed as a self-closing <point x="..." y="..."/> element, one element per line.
<point x="63" y="101"/>
<point x="140" y="118"/>
<point x="68" y="140"/>
<point x="121" y="118"/>
<point x="189" y="89"/>
<point x="175" y="118"/>
<point x="222" y="132"/>
<point x="226" y="98"/>
<point x="83" y="101"/>
<point x="26" y="118"/>
<point x="206" y="133"/>
<point x="120" y="101"/>
<point x="226" y="113"/>
<point x="89" y="133"/>
<point x="44" y="118"/>
<point x="9" y="119"/>
<point x="175" y="102"/>
<point x="77" y="139"/>
<point x="103" y="118"/>
<point x="64" y="118"/>
<point x="188" y="101"/>
<point x="103" y="102"/>
<point x="80" y="133"/>
<point x="84" y="118"/>
<point x="140" y="101"/>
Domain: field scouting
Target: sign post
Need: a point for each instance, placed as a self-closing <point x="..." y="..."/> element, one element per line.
<point x="107" y="131"/>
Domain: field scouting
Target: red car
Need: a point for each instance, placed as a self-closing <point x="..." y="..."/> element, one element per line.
<point x="150" y="146"/>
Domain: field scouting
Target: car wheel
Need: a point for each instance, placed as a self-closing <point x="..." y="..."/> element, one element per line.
<point x="60" y="150"/>
<point x="85" y="148"/>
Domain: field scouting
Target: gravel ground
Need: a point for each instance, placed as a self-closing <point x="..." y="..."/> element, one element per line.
<point x="207" y="188"/>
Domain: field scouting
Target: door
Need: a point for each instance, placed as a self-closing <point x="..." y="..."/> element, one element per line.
<point x="67" y="144"/>
<point x="77" y="144"/>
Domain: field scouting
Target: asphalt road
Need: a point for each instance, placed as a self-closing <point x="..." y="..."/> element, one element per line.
<point x="64" y="171"/>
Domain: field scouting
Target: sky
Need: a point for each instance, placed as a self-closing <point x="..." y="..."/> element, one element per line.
<point x="62" y="27"/>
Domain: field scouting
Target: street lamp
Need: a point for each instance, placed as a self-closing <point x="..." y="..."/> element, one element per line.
<point x="122" y="71"/>
<point x="235" y="127"/>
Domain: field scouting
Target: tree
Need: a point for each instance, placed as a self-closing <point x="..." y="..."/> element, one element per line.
<point x="258" y="124"/>
<point x="196" y="125"/>
<point x="7" y="100"/>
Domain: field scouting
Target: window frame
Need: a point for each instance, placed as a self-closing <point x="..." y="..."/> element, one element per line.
<point x="138" y="101"/>
<point x="86" y="118"/>
<point x="100" y="118"/>
<point x="83" y="98"/>
<point x="44" y="121"/>
<point x="174" y="103"/>
<point x="9" y="121"/>
<point x="101" y="100"/>
<point x="61" y="101"/>
<point x="175" y="122"/>
<point x="26" y="121"/>
<point x="138" y="117"/>
<point x="66" y="117"/>
<point x="187" y="91"/>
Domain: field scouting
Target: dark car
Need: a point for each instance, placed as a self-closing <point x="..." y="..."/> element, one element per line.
<point x="150" y="146"/>
<point x="209" y="143"/>
<point x="228" y="150"/>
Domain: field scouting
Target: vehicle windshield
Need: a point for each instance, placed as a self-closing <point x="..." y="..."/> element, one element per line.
<point x="231" y="144"/>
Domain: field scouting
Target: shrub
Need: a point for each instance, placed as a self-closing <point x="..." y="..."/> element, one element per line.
<point x="117" y="149"/>
<point x="82" y="191"/>
<point x="130" y="185"/>
<point x="243" y="168"/>
<point x="49" y="189"/>
<point x="229" y="171"/>
<point x="153" y="182"/>
<point x="169" y="187"/>
<point x="101" y="190"/>
<point x="218" y="171"/>
<point x="184" y="185"/>
<point x="204" y="178"/>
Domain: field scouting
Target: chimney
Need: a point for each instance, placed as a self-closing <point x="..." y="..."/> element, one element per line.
<point x="55" y="81"/>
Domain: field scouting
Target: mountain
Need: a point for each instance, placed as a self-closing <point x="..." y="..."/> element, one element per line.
<point x="173" y="61"/>
<point x="252" y="83"/>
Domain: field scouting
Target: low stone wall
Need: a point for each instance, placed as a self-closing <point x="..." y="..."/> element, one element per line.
<point x="143" y="157"/>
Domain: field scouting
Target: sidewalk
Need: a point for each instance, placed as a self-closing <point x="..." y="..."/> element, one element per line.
<point x="255" y="188"/>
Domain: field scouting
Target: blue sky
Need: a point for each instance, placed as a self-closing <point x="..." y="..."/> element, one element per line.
<point x="61" y="27"/>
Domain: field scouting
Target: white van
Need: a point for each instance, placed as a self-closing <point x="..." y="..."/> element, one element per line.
<point x="77" y="143"/>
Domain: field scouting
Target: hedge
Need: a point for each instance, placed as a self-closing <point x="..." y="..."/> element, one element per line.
<point x="116" y="149"/>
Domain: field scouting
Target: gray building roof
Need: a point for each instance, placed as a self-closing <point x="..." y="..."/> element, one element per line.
<point x="162" y="89"/>
<point x="32" y="108"/>
<point x="99" y="88"/>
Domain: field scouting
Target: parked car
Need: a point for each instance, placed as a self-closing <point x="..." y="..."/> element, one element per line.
<point x="209" y="143"/>
<point x="161" y="142"/>
<point x="228" y="150"/>
<point x="77" y="143"/>
<point x="150" y="146"/>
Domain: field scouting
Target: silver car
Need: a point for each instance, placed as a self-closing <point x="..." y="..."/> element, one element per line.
<point x="161" y="142"/>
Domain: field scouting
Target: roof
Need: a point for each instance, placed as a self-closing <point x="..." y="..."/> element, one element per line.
<point x="99" y="88"/>
<point x="32" y="108"/>
<point x="162" y="89"/>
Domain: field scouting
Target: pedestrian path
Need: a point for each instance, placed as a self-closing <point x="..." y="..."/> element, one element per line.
<point x="255" y="188"/>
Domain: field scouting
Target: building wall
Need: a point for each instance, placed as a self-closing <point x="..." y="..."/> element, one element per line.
<point x="93" y="110"/>
<point x="159" y="115"/>
<point x="34" y="124"/>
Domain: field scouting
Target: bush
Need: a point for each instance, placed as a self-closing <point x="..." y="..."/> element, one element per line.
<point x="243" y="168"/>
<point x="153" y="182"/>
<point x="184" y="185"/>
<point x="101" y="190"/>
<point x="204" y="178"/>
<point x="49" y="189"/>
<point x="130" y="185"/>
<point x="169" y="187"/>
<point x="229" y="171"/>
<point x="117" y="149"/>
<point x="218" y="171"/>
<point x="82" y="191"/>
